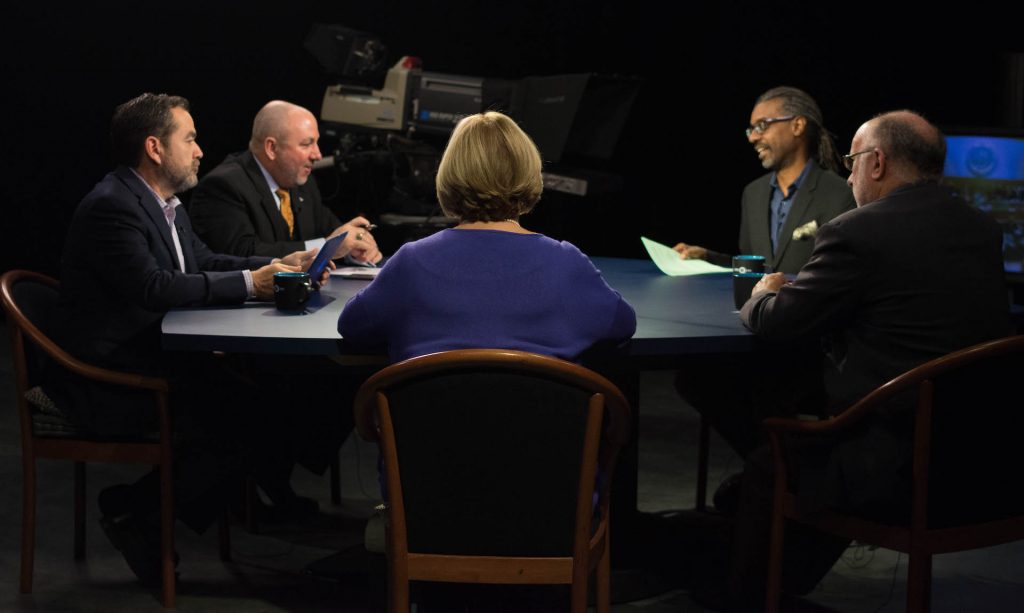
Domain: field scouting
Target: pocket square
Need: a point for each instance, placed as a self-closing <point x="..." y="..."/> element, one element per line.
<point x="808" y="230"/>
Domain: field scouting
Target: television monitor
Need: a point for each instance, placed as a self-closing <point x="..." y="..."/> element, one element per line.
<point x="986" y="168"/>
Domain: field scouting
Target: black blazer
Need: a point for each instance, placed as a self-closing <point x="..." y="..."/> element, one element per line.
<point x="891" y="285"/>
<point x="822" y="196"/>
<point x="234" y="211"/>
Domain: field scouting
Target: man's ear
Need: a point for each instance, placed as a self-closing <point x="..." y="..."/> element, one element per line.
<point x="881" y="165"/>
<point x="270" y="147"/>
<point x="153" y="149"/>
<point x="799" y="125"/>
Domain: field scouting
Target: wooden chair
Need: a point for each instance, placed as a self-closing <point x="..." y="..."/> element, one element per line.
<point x="964" y="494"/>
<point x="29" y="298"/>
<point x="491" y="459"/>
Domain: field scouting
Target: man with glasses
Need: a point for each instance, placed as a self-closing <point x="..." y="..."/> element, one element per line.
<point x="782" y="210"/>
<point x="912" y="274"/>
<point x="781" y="213"/>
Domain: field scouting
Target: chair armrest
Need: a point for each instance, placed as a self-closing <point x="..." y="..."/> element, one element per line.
<point x="67" y="361"/>
<point x="104" y="375"/>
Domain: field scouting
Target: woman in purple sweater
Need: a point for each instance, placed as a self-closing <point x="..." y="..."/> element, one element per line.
<point x="488" y="282"/>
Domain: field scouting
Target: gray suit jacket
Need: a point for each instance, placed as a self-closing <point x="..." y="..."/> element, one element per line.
<point x="822" y="196"/>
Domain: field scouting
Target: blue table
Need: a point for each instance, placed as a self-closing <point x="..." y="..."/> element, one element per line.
<point x="675" y="316"/>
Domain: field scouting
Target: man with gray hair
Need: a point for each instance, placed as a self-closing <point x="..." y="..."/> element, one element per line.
<point x="265" y="201"/>
<point x="782" y="210"/>
<point x="912" y="274"/>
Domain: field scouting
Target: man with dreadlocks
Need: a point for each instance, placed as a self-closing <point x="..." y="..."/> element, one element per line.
<point x="781" y="214"/>
<point x="782" y="210"/>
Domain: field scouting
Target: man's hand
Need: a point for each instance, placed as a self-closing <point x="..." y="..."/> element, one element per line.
<point x="359" y="244"/>
<point x="263" y="278"/>
<point x="302" y="259"/>
<point x="691" y="252"/>
<point x="769" y="283"/>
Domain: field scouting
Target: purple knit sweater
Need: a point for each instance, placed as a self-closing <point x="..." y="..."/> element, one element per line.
<point x="461" y="289"/>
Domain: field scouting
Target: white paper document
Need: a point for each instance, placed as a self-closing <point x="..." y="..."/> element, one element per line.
<point x="355" y="272"/>
<point x="668" y="261"/>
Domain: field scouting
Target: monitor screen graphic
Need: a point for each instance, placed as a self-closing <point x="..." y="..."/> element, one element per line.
<point x="987" y="170"/>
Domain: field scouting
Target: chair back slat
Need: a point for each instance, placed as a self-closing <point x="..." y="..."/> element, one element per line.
<point x="490" y="462"/>
<point x="977" y="421"/>
<point x="30" y="300"/>
<point x="36" y="302"/>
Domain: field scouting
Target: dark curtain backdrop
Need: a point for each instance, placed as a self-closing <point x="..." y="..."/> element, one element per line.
<point x="682" y="155"/>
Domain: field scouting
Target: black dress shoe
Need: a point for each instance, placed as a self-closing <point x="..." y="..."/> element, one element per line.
<point x="727" y="496"/>
<point x="128" y="536"/>
<point x="138" y="540"/>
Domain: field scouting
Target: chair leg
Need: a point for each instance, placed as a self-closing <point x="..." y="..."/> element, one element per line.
<point x="773" y="589"/>
<point x="398" y="576"/>
<point x="79" y="510"/>
<point x="919" y="582"/>
<point x="335" y="477"/>
<point x="703" y="443"/>
<point x="224" y="537"/>
<point x="604" y="579"/>
<point x="398" y="591"/>
<point x="167" y="536"/>
<point x="28" y="522"/>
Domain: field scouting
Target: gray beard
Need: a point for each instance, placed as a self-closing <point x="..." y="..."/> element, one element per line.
<point x="182" y="184"/>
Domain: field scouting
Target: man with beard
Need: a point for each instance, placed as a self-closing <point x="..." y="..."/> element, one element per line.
<point x="781" y="212"/>
<point x="129" y="257"/>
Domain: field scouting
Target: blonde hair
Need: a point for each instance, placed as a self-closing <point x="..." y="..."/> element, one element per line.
<point x="490" y="170"/>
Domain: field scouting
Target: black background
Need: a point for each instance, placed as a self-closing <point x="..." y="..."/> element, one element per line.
<point x="682" y="155"/>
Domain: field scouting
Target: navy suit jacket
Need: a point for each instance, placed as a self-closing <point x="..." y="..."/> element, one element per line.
<point x="234" y="211"/>
<point x="120" y="275"/>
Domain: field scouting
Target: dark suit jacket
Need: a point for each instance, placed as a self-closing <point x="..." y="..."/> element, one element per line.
<point x="234" y="211"/>
<point x="120" y="275"/>
<point x="822" y="196"/>
<point x="890" y="285"/>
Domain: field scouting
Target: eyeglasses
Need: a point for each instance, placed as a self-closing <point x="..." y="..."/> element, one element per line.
<point x="762" y="124"/>
<point x="848" y="158"/>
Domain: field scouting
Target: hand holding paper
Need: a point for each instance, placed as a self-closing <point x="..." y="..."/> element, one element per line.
<point x="668" y="261"/>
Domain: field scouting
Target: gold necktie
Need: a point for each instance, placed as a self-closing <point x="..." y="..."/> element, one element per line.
<point x="286" y="210"/>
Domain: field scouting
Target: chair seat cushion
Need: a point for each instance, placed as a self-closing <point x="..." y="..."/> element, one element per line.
<point x="47" y="418"/>
<point x="49" y="421"/>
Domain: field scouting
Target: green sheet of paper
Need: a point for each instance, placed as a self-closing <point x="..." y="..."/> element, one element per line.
<point x="668" y="261"/>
